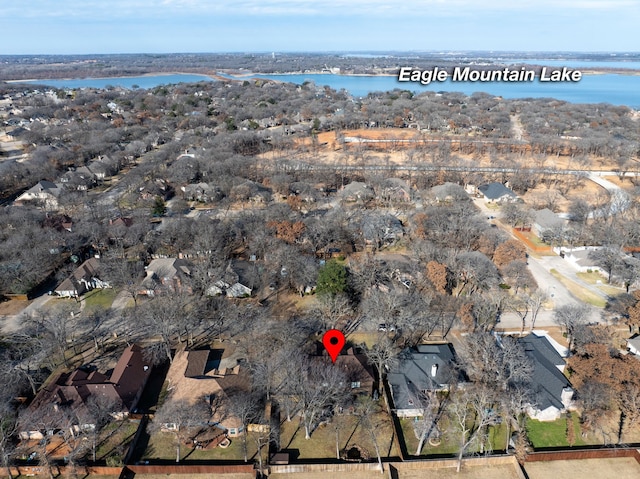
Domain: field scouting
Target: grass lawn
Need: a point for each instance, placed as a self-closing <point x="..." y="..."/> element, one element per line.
<point x="99" y="299"/>
<point x="597" y="278"/>
<point x="449" y="443"/>
<point x="579" y="292"/>
<point x="162" y="446"/>
<point x="115" y="438"/>
<point x="553" y="433"/>
<point x="322" y="443"/>
<point x="592" y="277"/>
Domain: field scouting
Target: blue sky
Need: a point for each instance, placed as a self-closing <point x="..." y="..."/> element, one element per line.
<point x="158" y="26"/>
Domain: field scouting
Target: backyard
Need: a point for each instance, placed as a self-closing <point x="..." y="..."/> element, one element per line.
<point x="347" y="428"/>
<point x="448" y="444"/>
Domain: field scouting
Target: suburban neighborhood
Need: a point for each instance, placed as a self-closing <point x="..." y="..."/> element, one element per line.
<point x="172" y="257"/>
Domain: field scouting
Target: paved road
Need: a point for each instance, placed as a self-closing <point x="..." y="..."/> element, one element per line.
<point x="540" y="268"/>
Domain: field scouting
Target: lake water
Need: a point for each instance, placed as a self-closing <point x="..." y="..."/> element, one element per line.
<point x="146" y="81"/>
<point x="609" y="88"/>
<point x="606" y="88"/>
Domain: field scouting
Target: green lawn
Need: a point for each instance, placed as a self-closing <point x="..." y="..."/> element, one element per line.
<point x="553" y="433"/>
<point x="449" y="442"/>
<point x="99" y="299"/>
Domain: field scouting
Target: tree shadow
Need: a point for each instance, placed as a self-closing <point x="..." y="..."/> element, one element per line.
<point x="293" y="436"/>
<point x="355" y="428"/>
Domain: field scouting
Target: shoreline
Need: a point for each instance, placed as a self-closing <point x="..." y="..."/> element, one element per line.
<point x="241" y="76"/>
<point x="141" y="75"/>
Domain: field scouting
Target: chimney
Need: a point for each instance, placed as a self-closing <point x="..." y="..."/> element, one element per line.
<point x="434" y="370"/>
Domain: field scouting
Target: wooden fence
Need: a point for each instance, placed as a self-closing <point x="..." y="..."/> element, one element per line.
<point x="189" y="469"/>
<point x="583" y="454"/>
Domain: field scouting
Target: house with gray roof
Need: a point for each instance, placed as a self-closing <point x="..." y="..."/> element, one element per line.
<point x="552" y="390"/>
<point x="633" y="345"/>
<point x="167" y="275"/>
<point x="425" y="369"/>
<point x="546" y="220"/>
<point x="497" y="193"/>
<point x="44" y="193"/>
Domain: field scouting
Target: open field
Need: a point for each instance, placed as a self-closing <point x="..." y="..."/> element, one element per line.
<point x="198" y="476"/>
<point x="12" y="306"/>
<point x="618" y="468"/>
<point x="497" y="471"/>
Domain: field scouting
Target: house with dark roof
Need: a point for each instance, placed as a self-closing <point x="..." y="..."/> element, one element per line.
<point x="422" y="370"/>
<point x="83" y="279"/>
<point x="552" y="390"/>
<point x="497" y="193"/>
<point x="356" y="368"/>
<point x="72" y="391"/>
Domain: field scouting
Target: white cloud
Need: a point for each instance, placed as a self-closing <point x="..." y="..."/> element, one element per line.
<point x="127" y="8"/>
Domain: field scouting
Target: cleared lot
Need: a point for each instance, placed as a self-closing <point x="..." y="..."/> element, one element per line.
<point x="614" y="468"/>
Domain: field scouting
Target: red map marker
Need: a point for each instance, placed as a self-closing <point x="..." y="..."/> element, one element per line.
<point x="333" y="341"/>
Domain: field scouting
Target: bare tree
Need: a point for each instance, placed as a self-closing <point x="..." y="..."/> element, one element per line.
<point x="316" y="388"/>
<point x="471" y="412"/>
<point x="181" y="419"/>
<point x="383" y="354"/>
<point x="367" y="409"/>
<point x="497" y="365"/>
<point x="246" y="407"/>
<point x="570" y="317"/>
<point x="8" y="427"/>
<point x="58" y="325"/>
<point x="94" y="418"/>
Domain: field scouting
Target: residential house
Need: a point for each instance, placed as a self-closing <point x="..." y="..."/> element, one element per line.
<point x="552" y="389"/>
<point x="381" y="230"/>
<point x="422" y="370"/>
<point x="357" y="192"/>
<point x="356" y="368"/>
<point x="213" y="375"/>
<point x="633" y="345"/>
<point x="103" y="167"/>
<point x="122" y="389"/>
<point x="448" y="193"/>
<point x="580" y="258"/>
<point x="167" y="275"/>
<point x="201" y="192"/>
<point x="44" y="193"/>
<point x="497" y="193"/>
<point x="546" y="220"/>
<point x="83" y="279"/>
<point x="235" y="290"/>
<point x="394" y="190"/>
<point x="80" y="179"/>
<point x="250" y="191"/>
